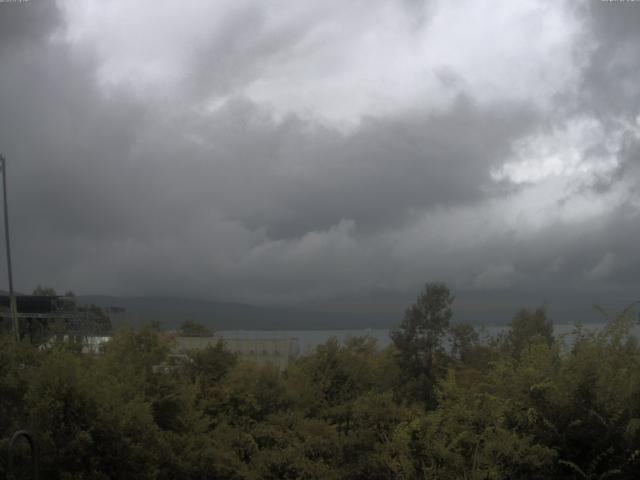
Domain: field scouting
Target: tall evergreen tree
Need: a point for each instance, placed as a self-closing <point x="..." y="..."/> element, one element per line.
<point x="419" y="340"/>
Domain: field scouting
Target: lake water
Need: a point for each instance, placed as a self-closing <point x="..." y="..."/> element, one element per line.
<point x="308" y="340"/>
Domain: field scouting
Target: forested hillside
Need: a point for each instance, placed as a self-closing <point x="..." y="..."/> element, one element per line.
<point x="440" y="403"/>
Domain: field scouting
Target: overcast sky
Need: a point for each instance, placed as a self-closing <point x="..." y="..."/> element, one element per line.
<point x="305" y="152"/>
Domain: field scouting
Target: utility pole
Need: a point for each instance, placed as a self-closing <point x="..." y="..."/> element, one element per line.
<point x="12" y="297"/>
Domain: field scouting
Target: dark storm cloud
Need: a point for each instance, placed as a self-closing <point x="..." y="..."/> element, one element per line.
<point x="296" y="177"/>
<point x="21" y="24"/>
<point x="66" y="146"/>
<point x="391" y="167"/>
<point x="608" y="90"/>
<point x="116" y="191"/>
<point x="610" y="81"/>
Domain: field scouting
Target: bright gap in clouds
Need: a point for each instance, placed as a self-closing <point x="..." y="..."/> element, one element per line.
<point x="580" y="151"/>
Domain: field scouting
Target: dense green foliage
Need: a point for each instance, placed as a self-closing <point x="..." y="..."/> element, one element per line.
<point x="190" y="328"/>
<point x="441" y="402"/>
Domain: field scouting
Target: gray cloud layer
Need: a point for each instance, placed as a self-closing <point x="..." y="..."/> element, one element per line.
<point x="197" y="174"/>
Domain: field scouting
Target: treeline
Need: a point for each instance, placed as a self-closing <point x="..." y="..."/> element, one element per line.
<point x="442" y="402"/>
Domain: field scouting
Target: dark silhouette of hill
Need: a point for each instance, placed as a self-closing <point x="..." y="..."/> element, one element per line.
<point x="171" y="312"/>
<point x="371" y="311"/>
